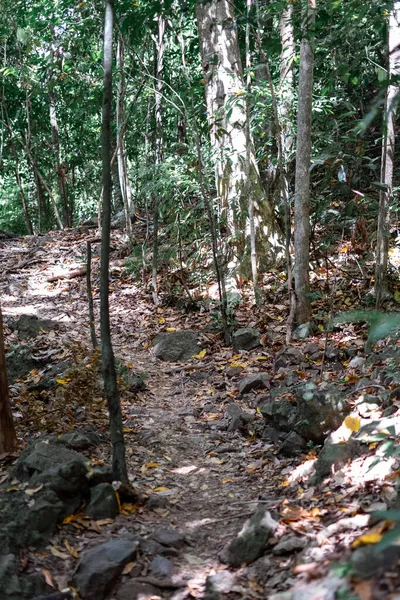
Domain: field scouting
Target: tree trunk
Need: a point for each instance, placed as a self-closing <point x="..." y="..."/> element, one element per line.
<point x="227" y="114"/>
<point x="388" y="146"/>
<point x="303" y="161"/>
<point x="108" y="362"/>
<point x="159" y="145"/>
<point x="8" y="439"/>
<point x="62" y="184"/>
<point x="124" y="183"/>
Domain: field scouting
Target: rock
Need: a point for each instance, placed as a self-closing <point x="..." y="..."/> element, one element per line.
<point x="254" y="382"/>
<point x="16" y="586"/>
<point x="42" y="456"/>
<point x="251" y="540"/>
<point x="311" y="348"/>
<point x="100" y="474"/>
<point x="246" y="338"/>
<point x="103" y="502"/>
<point x="332" y="353"/>
<point x="325" y="589"/>
<point x="20" y="362"/>
<point x="316" y="412"/>
<point x="157" y="501"/>
<point x="239" y="419"/>
<point x="162" y="567"/>
<point x="77" y="440"/>
<point x="336" y="455"/>
<point x="49" y="379"/>
<point x="295" y="355"/>
<point x="233" y="372"/>
<point x="65" y="480"/>
<point x="28" y="520"/>
<point x="303" y="331"/>
<point x="134" y="383"/>
<point x="260" y="570"/>
<point x="356" y="362"/>
<point x="134" y="590"/>
<point x="218" y="585"/>
<point x="199" y="376"/>
<point x="290" y="545"/>
<point x="271" y="434"/>
<point x="169" y="537"/>
<point x="29" y="326"/>
<point x="176" y="346"/>
<point x="292" y="444"/>
<point x="99" y="568"/>
<point x="367" y="562"/>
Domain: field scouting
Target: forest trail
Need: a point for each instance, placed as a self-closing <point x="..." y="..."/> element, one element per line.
<point x="178" y="448"/>
<point x="202" y="477"/>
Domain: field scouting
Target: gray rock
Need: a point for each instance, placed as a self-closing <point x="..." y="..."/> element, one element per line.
<point x="135" y="383"/>
<point x="293" y="444"/>
<point x="29" y="326"/>
<point x="157" y="501"/>
<point x="246" y="338"/>
<point x="199" y="376"/>
<point x="356" y="362"/>
<point x="103" y="502"/>
<point x="42" y="456"/>
<point x="99" y="568"/>
<point x="162" y="567"/>
<point x="169" y="537"/>
<point x="260" y="569"/>
<point x="134" y="590"/>
<point x="20" y="362"/>
<point x="311" y="348"/>
<point x="289" y="545"/>
<point x="176" y="346"/>
<point x="16" y="586"/>
<point x="367" y="562"/>
<point x="77" y="440"/>
<point x="218" y="585"/>
<point x="303" y="331"/>
<point x="295" y="355"/>
<point x="232" y="372"/>
<point x="254" y="382"/>
<point x="65" y="480"/>
<point x="336" y="455"/>
<point x="100" y="474"/>
<point x="323" y="589"/>
<point x="28" y="521"/>
<point x="251" y="540"/>
<point x="316" y="412"/>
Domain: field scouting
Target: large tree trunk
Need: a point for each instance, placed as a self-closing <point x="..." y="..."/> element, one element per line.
<point x="107" y="355"/>
<point x="227" y="114"/>
<point x="303" y="161"/>
<point x="124" y="182"/>
<point x="388" y="145"/>
<point x="8" y="440"/>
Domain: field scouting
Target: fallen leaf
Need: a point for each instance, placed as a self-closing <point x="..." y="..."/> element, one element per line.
<point x="58" y="553"/>
<point x="31" y="492"/>
<point x="201" y="354"/>
<point x="48" y="578"/>
<point x="73" y="552"/>
<point x="352" y="422"/>
<point x="128" y="568"/>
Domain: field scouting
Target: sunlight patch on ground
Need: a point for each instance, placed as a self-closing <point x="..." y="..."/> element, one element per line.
<point x="185" y="470"/>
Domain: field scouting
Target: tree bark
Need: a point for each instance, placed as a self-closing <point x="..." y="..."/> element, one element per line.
<point x="387" y="164"/>
<point x="124" y="182"/>
<point x="108" y="361"/>
<point x="303" y="161"/>
<point x="8" y="439"/>
<point x="159" y="143"/>
<point x="224" y="86"/>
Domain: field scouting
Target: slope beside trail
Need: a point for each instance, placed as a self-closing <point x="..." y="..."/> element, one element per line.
<point x="203" y="478"/>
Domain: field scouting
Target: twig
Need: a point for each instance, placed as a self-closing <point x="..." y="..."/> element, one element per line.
<point x="366" y="387"/>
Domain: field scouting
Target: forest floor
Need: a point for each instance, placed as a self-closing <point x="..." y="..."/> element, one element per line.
<point x="203" y="480"/>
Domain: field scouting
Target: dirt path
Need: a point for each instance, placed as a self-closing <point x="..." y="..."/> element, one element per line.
<point x="179" y="450"/>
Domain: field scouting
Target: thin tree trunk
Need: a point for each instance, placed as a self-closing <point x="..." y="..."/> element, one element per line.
<point x="387" y="165"/>
<point x="159" y="146"/>
<point x="125" y="185"/>
<point x="303" y="161"/>
<point x="108" y="361"/>
<point x="8" y="439"/>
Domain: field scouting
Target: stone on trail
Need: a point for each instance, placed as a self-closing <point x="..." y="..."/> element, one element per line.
<point x="254" y="382"/>
<point x="99" y="568"/>
<point x="162" y="567"/>
<point x="16" y="586"/>
<point x="325" y="589"/>
<point x="42" y="456"/>
<point x="178" y="346"/>
<point x="218" y="585"/>
<point x="29" y="326"/>
<point x="20" y="362"/>
<point x="169" y="537"/>
<point x="246" y="338"/>
<point x="251" y="540"/>
<point x="135" y="590"/>
<point x="336" y="455"/>
<point x="103" y="502"/>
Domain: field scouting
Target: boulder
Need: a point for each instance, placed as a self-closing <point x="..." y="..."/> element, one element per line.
<point x="16" y="586"/>
<point x="42" y="456"/>
<point x="100" y="566"/>
<point x="20" y="362"/>
<point x="251" y="540"/>
<point x="169" y="537"/>
<point x="66" y="480"/>
<point x="162" y="567"/>
<point x="293" y="444"/>
<point x="246" y="338"/>
<point x="219" y="585"/>
<point x="29" y="326"/>
<point x="176" y="346"/>
<point x="336" y="455"/>
<point x="315" y="413"/>
<point x="103" y="502"/>
<point x="254" y="382"/>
